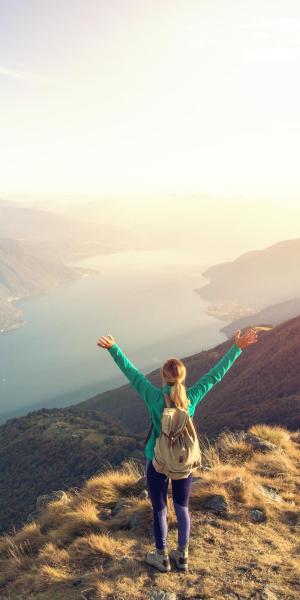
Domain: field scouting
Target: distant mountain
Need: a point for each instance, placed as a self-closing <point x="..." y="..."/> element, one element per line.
<point x="55" y="448"/>
<point x="254" y="280"/>
<point x="271" y="315"/>
<point x="62" y="236"/>
<point x="26" y="270"/>
<point x="262" y="385"/>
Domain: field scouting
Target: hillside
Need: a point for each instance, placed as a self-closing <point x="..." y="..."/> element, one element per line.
<point x="26" y="269"/>
<point x="270" y="315"/>
<point x="254" y="280"/>
<point x="244" y="505"/>
<point x="262" y="385"/>
<point x="54" y="448"/>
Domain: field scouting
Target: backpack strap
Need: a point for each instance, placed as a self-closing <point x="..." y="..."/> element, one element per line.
<point x="172" y="437"/>
<point x="148" y="434"/>
<point x="167" y="401"/>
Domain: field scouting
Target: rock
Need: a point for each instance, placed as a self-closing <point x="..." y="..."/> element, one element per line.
<point x="257" y="515"/>
<point x="105" y="513"/>
<point x="243" y="568"/>
<point x="134" y="520"/>
<point x="275" y="568"/>
<point x="44" y="499"/>
<point x="253" y="563"/>
<point x="143" y="495"/>
<point x="122" y="503"/>
<point x="161" y="595"/>
<point x="269" y="492"/>
<point x="217" y="503"/>
<point x="209" y="539"/>
<point x="258" y="443"/>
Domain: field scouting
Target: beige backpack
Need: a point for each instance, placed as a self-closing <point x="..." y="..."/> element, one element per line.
<point x="177" y="450"/>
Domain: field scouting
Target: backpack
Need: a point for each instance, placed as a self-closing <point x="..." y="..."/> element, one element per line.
<point x="177" y="450"/>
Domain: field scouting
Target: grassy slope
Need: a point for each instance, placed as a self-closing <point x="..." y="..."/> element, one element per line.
<point x="70" y="552"/>
<point x="54" y="449"/>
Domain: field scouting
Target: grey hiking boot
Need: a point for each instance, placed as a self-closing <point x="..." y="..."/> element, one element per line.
<point x="180" y="556"/>
<point x="158" y="560"/>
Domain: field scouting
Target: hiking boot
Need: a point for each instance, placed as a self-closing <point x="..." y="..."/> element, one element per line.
<point x="181" y="558"/>
<point x="158" y="560"/>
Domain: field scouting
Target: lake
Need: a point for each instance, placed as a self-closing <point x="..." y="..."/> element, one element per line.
<point x="145" y="299"/>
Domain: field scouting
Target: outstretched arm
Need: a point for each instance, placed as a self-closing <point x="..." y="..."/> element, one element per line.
<point x="148" y="391"/>
<point x="197" y="392"/>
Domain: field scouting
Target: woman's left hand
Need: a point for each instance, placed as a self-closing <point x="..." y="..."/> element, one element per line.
<point x="249" y="337"/>
<point x="106" y="341"/>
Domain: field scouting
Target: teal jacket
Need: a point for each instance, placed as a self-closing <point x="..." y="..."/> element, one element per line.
<point x="153" y="395"/>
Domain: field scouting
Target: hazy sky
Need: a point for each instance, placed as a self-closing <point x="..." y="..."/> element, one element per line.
<point x="166" y="96"/>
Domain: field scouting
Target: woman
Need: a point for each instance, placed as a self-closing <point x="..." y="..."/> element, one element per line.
<point x="173" y="374"/>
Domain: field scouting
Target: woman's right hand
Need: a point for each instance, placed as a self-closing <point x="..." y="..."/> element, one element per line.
<point x="106" y="341"/>
<point x="249" y="337"/>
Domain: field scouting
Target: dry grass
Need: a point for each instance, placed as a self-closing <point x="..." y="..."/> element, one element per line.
<point x="274" y="464"/>
<point x="53" y="555"/>
<point x="106" y="488"/>
<point x="232" y="450"/>
<point x="280" y="436"/>
<point x="272" y="433"/>
<point x="53" y="514"/>
<point x="70" y="552"/>
<point x="210" y="454"/>
<point x="54" y="575"/>
<point x="31" y="534"/>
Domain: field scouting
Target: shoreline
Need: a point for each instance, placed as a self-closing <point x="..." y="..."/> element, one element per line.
<point x="12" y="299"/>
<point x="12" y="327"/>
<point x="79" y="272"/>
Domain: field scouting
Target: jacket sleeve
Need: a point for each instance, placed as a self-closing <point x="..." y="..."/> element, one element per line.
<point x="213" y="376"/>
<point x="149" y="392"/>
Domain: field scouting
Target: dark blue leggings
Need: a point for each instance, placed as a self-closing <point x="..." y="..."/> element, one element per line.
<point x="158" y="490"/>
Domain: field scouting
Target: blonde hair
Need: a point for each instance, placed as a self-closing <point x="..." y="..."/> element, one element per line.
<point x="173" y="372"/>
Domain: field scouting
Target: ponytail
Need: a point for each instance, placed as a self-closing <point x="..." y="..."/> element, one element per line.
<point x="178" y="395"/>
<point x="173" y="372"/>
